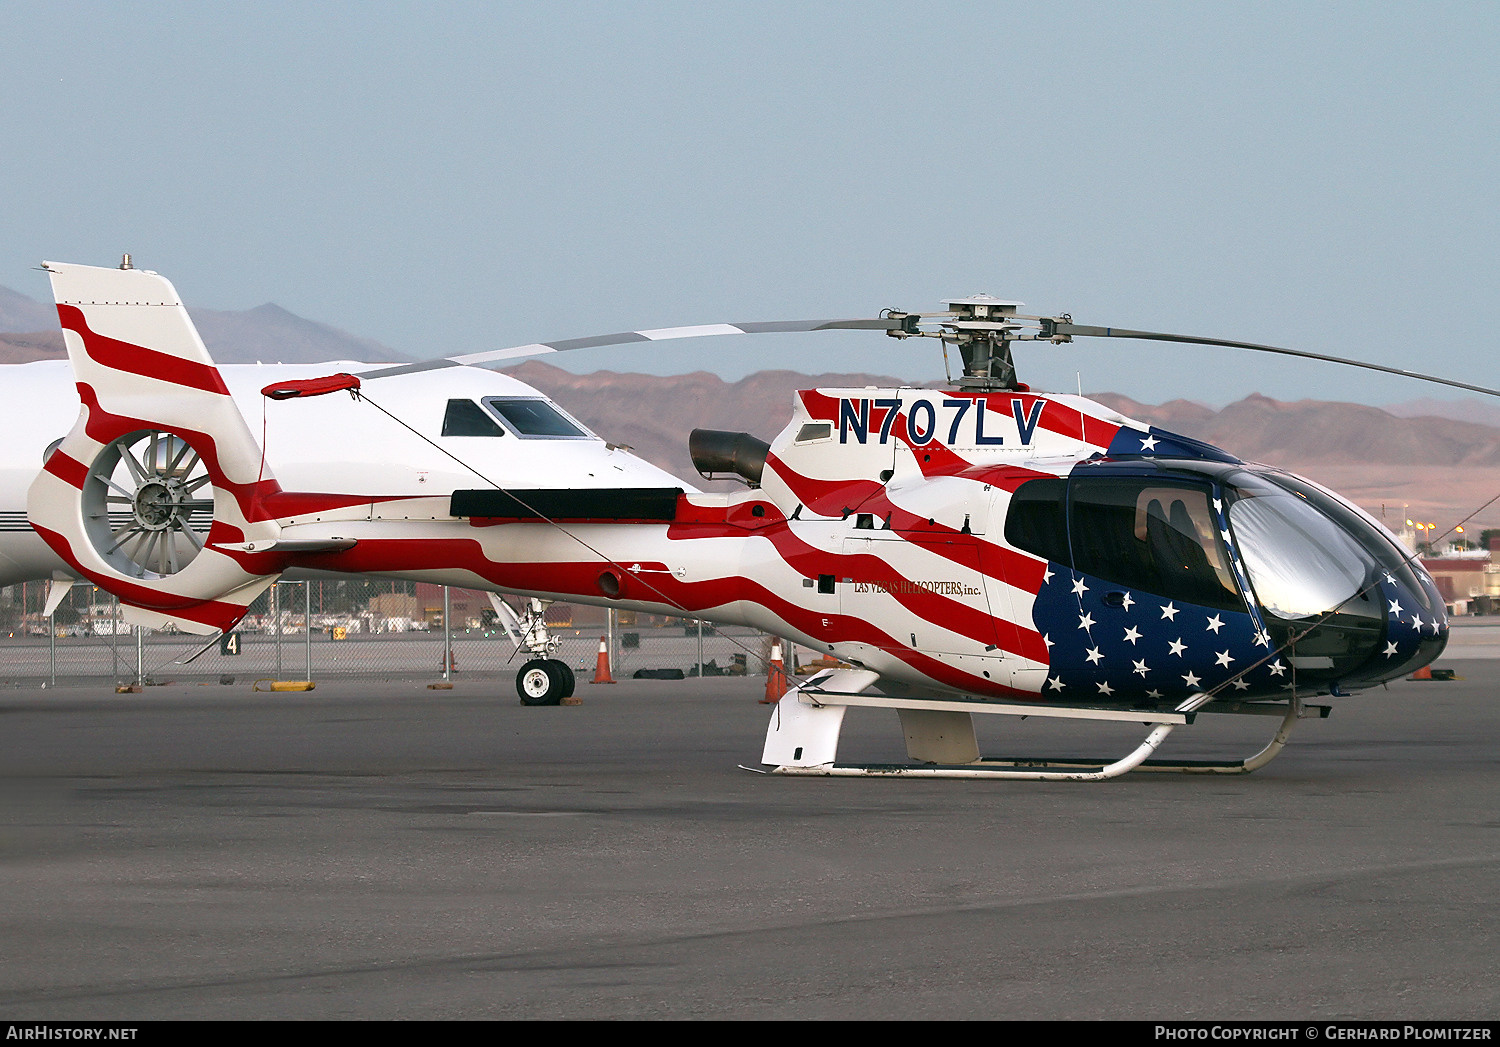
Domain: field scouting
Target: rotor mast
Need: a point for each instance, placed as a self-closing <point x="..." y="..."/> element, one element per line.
<point x="982" y="328"/>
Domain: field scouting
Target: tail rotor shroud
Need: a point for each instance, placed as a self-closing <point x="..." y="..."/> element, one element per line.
<point x="143" y="510"/>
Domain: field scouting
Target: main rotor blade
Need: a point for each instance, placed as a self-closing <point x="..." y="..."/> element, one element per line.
<point x="1085" y="331"/>
<point x="661" y="334"/>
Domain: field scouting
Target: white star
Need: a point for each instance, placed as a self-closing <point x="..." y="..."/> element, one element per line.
<point x="1055" y="683"/>
<point x="1140" y="667"/>
<point x="1148" y="444"/>
<point x="1153" y="693"/>
<point x="1132" y="634"/>
<point x="1105" y="689"/>
<point x="1215" y="624"/>
<point x="1277" y="668"/>
<point x="1191" y="679"/>
<point x="1125" y="603"/>
<point x="1240" y="684"/>
<point x="1262" y="638"/>
<point x="1218" y="505"/>
<point x="1390" y="649"/>
<point x="1093" y="657"/>
<point x="1396" y="608"/>
<point x="1085" y="621"/>
<point x="1225" y="533"/>
<point x="1223" y="659"/>
<point x="1169" y="612"/>
<point x="1046" y="575"/>
<point x="1177" y="647"/>
<point x="1047" y="640"/>
<point x="1078" y="587"/>
<point x="1389" y="579"/>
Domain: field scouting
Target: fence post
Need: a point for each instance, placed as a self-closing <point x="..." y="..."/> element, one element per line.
<point x="52" y="646"/>
<point x="699" y="673"/>
<point x="140" y="656"/>
<point x="609" y="633"/>
<point x="447" y="636"/>
<point x="276" y="623"/>
<point x="114" y="635"/>
<point x="307" y="621"/>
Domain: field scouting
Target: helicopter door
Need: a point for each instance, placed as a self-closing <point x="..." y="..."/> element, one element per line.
<point x="1008" y="576"/>
<point x="1154" y="568"/>
<point x="918" y="588"/>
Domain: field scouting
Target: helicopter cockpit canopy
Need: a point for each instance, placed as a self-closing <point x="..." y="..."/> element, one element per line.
<point x="1315" y="570"/>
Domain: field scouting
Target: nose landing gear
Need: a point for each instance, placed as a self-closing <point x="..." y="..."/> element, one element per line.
<point x="544" y="681"/>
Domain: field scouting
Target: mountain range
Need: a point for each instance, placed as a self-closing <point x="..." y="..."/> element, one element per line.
<point x="1404" y="461"/>
<point x="265" y="334"/>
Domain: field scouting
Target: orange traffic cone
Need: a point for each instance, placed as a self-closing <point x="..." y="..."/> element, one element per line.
<point x="775" y="677"/>
<point x="601" y="672"/>
<point x="1424" y="673"/>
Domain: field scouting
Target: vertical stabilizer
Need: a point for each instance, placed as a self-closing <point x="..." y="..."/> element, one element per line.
<point x="160" y="470"/>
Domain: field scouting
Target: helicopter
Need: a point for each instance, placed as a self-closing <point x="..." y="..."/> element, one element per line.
<point x="980" y="548"/>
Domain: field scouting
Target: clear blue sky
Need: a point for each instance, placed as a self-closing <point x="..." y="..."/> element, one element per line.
<point x="450" y="177"/>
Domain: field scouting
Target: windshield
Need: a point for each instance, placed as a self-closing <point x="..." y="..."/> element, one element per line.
<point x="1307" y="552"/>
<point x="1373" y="538"/>
<point x="1300" y="562"/>
<point x="533" y="417"/>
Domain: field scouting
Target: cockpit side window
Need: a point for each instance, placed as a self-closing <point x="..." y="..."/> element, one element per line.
<point x="1037" y="519"/>
<point x="467" y="418"/>
<point x="531" y="417"/>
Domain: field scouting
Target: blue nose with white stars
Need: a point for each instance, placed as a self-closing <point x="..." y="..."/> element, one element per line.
<point x="1414" y="635"/>
<point x="1108" y="642"/>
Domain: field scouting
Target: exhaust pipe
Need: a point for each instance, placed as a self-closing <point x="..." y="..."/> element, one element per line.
<point x="715" y="451"/>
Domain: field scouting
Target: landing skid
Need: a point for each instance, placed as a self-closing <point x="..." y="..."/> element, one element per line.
<point x="802" y="738"/>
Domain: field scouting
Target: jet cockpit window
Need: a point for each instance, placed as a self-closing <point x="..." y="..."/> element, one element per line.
<point x="467" y="418"/>
<point x="531" y="417"/>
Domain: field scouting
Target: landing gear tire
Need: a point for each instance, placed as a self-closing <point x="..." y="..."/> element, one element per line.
<point x="540" y="683"/>
<point x="545" y="681"/>
<point x="569" y="681"/>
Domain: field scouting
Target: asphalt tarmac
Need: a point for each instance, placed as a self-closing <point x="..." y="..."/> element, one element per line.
<point x="388" y="851"/>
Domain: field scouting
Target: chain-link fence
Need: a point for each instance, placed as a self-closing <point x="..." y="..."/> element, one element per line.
<point x="309" y="630"/>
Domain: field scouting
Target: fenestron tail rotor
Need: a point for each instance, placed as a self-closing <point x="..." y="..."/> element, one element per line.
<point x="143" y="504"/>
